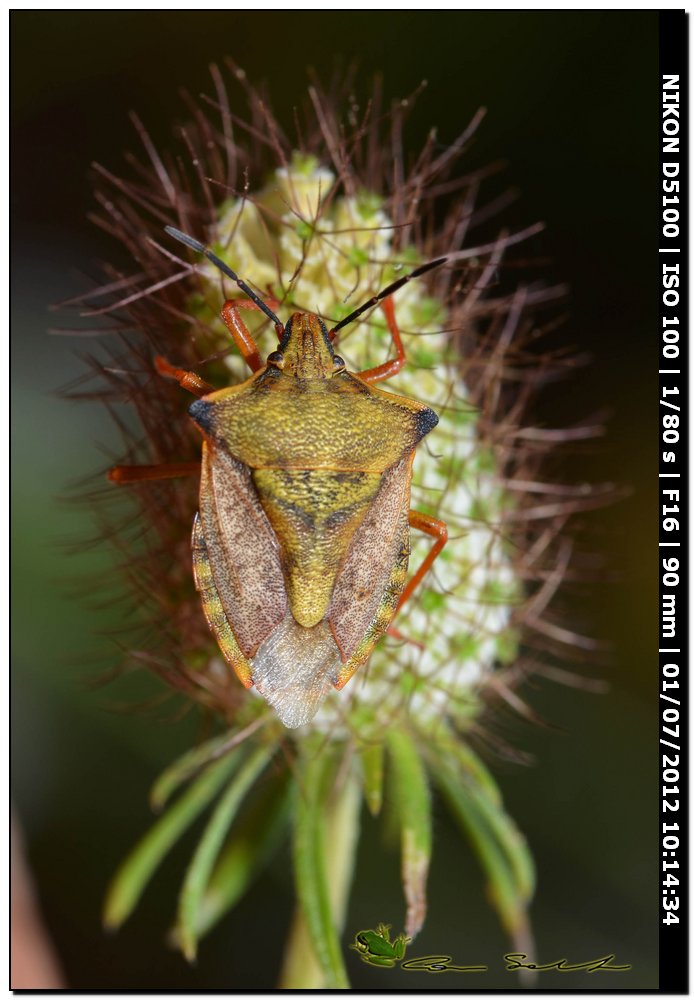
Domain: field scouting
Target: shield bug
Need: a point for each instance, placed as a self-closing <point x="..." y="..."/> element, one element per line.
<point x="302" y="539"/>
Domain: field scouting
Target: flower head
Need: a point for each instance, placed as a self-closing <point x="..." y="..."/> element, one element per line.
<point x="321" y="222"/>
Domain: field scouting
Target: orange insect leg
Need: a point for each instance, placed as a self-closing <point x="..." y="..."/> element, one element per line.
<point x="187" y="380"/>
<point x="142" y="473"/>
<point x="240" y="332"/>
<point x="392" y="367"/>
<point x="395" y="633"/>
<point x="439" y="531"/>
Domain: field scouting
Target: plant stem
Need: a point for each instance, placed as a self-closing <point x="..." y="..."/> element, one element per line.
<point x="300" y="969"/>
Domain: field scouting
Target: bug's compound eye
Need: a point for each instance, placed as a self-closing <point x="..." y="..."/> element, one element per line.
<point x="276" y="359"/>
<point x="338" y="363"/>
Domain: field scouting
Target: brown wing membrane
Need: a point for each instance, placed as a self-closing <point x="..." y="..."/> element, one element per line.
<point x="375" y="549"/>
<point x="295" y="668"/>
<point x="242" y="548"/>
<point x="212" y="607"/>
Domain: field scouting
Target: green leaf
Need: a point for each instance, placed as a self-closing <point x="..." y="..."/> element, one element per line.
<point x="300" y="968"/>
<point x="479" y="773"/>
<point x="512" y="843"/>
<point x="372" y="769"/>
<point x="500" y="847"/>
<point x="255" y="840"/>
<point x="182" y="769"/>
<point x="135" y="872"/>
<point x="197" y="876"/>
<point x="315" y="785"/>
<point x="414" y="811"/>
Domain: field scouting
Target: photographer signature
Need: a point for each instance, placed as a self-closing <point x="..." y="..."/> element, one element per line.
<point x="515" y="962"/>
<point x="376" y="948"/>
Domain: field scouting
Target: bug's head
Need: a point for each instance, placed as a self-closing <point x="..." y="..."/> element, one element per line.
<point x="305" y="350"/>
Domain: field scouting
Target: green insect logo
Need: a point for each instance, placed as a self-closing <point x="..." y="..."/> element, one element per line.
<point x="376" y="948"/>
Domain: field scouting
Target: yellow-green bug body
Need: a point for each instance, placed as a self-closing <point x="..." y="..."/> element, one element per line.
<point x="301" y="544"/>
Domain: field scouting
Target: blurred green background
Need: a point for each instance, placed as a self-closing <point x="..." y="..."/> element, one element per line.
<point x="573" y="107"/>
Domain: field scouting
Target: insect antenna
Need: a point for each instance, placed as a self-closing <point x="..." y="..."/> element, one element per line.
<point x="195" y="245"/>
<point x="388" y="291"/>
